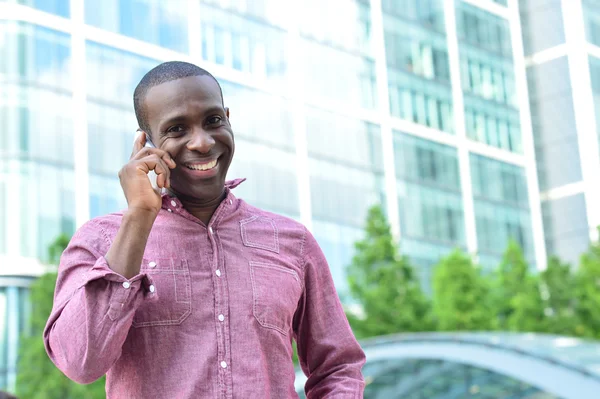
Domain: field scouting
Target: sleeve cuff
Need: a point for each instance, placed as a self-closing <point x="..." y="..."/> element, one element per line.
<point x="124" y="292"/>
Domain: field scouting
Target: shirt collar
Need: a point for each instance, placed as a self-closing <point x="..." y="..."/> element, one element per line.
<point x="171" y="203"/>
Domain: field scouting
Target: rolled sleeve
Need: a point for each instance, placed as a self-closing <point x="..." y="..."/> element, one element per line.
<point x="93" y="308"/>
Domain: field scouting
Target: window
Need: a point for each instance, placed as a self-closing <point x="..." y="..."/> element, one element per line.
<point x="163" y="23"/>
<point x="242" y="44"/>
<point x="483" y="30"/>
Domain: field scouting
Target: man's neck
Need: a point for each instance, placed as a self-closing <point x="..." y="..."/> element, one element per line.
<point x="202" y="210"/>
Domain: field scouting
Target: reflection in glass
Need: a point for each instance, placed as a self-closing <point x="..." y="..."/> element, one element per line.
<point x="243" y="44"/>
<point x="58" y="7"/>
<point x="163" y="23"/>
<point x="338" y="76"/>
<point x="37" y="166"/>
<point x="501" y="208"/>
<point x="351" y="30"/>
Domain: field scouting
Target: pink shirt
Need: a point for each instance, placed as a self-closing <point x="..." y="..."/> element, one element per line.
<point x="212" y="313"/>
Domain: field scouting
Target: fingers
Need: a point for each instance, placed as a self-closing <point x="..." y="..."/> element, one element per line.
<point x="160" y="167"/>
<point x="144" y="152"/>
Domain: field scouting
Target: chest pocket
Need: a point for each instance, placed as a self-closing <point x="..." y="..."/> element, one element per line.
<point x="276" y="291"/>
<point x="171" y="279"/>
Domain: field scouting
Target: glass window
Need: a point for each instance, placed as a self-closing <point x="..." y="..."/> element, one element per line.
<point x="427" y="13"/>
<point x="493" y="125"/>
<point x="344" y="140"/>
<point x="274" y="12"/>
<point x="58" y="7"/>
<point x="259" y="117"/>
<point x="482" y="29"/>
<point x="112" y="77"/>
<point x="416" y="50"/>
<point x="243" y="44"/>
<point x="164" y="23"/>
<point x="113" y="74"/>
<point x="498" y="181"/>
<point x="272" y="183"/>
<point x="352" y="27"/>
<point x="420" y="101"/>
<point x="496" y="224"/>
<point x="591" y="13"/>
<point x="501" y="206"/>
<point x="488" y="76"/>
<point x="35" y="107"/>
<point x="14" y="313"/>
<point x="429" y="195"/>
<point x="338" y="76"/>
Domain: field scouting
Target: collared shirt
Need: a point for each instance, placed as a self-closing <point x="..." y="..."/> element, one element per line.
<point x="212" y="313"/>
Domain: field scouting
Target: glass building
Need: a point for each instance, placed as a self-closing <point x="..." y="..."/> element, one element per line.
<point x="478" y="366"/>
<point x="562" y="48"/>
<point x="420" y="105"/>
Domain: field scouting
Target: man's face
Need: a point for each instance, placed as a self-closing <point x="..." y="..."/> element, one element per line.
<point x="188" y="120"/>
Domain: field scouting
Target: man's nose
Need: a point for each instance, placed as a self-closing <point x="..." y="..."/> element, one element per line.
<point x="201" y="141"/>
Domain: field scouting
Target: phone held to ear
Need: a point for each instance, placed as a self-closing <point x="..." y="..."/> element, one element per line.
<point x="151" y="174"/>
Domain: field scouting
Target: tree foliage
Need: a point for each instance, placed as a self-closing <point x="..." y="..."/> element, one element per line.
<point x="384" y="284"/>
<point x="587" y="293"/>
<point x="461" y="295"/>
<point x="37" y="377"/>
<point x="517" y="297"/>
<point x="558" y="284"/>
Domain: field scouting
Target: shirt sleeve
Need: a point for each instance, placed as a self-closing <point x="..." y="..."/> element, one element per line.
<point x="93" y="308"/>
<point x="328" y="352"/>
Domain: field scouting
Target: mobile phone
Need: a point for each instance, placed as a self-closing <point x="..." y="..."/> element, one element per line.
<point x="151" y="174"/>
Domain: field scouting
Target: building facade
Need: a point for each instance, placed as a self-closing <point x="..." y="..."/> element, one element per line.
<point x="418" y="105"/>
<point x="562" y="48"/>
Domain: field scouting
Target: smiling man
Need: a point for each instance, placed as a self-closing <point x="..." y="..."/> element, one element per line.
<point x="194" y="293"/>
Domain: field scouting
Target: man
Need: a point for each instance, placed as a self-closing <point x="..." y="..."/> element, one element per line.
<point x="195" y="293"/>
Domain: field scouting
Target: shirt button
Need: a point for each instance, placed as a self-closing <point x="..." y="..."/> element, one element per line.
<point x="224" y="364"/>
<point x="230" y="202"/>
<point x="173" y="203"/>
<point x="152" y="264"/>
<point x="126" y="284"/>
<point x="169" y="210"/>
<point x="221" y="317"/>
<point x="218" y="272"/>
<point x="151" y="288"/>
<point x="210" y="230"/>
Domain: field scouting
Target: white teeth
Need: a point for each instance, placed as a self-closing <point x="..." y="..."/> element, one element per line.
<point x="205" y="166"/>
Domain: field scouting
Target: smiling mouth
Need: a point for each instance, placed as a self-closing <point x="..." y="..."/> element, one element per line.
<point x="202" y="166"/>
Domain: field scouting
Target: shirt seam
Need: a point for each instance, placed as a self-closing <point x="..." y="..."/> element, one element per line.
<point x="107" y="240"/>
<point x="302" y="254"/>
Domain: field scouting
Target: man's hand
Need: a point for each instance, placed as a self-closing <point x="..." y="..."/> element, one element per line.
<point x="140" y="194"/>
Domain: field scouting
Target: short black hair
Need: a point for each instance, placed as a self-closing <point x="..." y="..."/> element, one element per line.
<point x="165" y="72"/>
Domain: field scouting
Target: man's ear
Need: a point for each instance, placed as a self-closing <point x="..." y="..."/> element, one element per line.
<point x="227" y="112"/>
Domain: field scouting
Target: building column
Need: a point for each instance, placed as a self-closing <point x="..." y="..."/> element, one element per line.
<point x="296" y="94"/>
<point x="464" y="163"/>
<point x="533" y="189"/>
<point x="583" y="101"/>
<point x="383" y="110"/>
<point x="80" y="127"/>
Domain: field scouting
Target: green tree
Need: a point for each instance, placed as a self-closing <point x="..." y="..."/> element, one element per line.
<point x="461" y="295"/>
<point x="517" y="298"/>
<point x="558" y="282"/>
<point x="384" y="285"/>
<point x="37" y="377"/>
<point x="587" y="293"/>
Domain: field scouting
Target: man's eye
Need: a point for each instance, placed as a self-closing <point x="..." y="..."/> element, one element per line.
<point x="213" y="120"/>
<point x="175" y="129"/>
